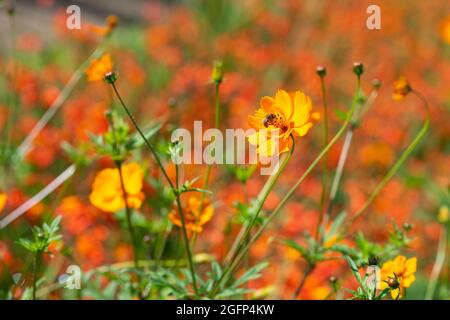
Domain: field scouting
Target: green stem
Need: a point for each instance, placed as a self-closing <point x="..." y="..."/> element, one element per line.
<point x="270" y="183"/>
<point x="172" y="187"/>
<point x="36" y="259"/>
<point x="309" y="269"/>
<point x="325" y="160"/>
<point x="216" y="125"/>
<point x="401" y="160"/>
<point x="128" y="215"/>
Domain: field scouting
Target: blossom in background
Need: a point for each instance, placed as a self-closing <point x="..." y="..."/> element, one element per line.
<point x="281" y="116"/>
<point x="443" y="215"/>
<point x="398" y="274"/>
<point x="194" y="219"/>
<point x="401" y="88"/>
<point x="111" y="23"/>
<point x="99" y="67"/>
<point x="107" y="192"/>
<point x="3" y="198"/>
<point x="445" y="30"/>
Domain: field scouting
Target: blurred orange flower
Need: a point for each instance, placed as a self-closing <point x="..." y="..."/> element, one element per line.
<point x="111" y="23"/>
<point x="445" y="30"/>
<point x="107" y="192"/>
<point x="3" y="198"/>
<point x="282" y="116"/>
<point x="401" y="88"/>
<point x="99" y="67"/>
<point x="193" y="217"/>
<point x="398" y="274"/>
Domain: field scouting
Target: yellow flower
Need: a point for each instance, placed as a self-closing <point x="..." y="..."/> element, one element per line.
<point x="401" y="88"/>
<point x="281" y="116"/>
<point x="443" y="215"/>
<point x="99" y="68"/>
<point x="3" y="198"/>
<point x="398" y="274"/>
<point x="107" y="192"/>
<point x="194" y="219"/>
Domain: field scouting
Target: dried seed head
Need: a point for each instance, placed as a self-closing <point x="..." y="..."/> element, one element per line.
<point x="358" y="68"/>
<point x="110" y="77"/>
<point x="321" y="71"/>
<point x="217" y="73"/>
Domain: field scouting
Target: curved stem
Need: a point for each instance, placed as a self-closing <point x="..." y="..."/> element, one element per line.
<point x="270" y="183"/>
<point x="172" y="187"/>
<point x="401" y="160"/>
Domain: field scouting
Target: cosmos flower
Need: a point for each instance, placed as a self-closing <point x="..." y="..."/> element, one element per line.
<point x="99" y="68"/>
<point x="107" y="192"/>
<point x="281" y="116"/>
<point x="194" y="219"/>
<point x="111" y="23"/>
<point x="398" y="274"/>
<point x="401" y="88"/>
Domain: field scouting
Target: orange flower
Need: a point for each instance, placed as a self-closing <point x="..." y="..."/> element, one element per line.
<point x="111" y="23"/>
<point x="445" y="30"/>
<point x="107" y="192"/>
<point x="194" y="219"/>
<point x="3" y="198"/>
<point x="401" y="88"/>
<point x="99" y="67"/>
<point x="281" y="116"/>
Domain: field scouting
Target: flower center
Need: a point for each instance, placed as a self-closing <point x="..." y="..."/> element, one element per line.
<point x="277" y="120"/>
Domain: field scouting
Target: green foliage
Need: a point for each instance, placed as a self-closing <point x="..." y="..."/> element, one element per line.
<point x="169" y="283"/>
<point x="42" y="237"/>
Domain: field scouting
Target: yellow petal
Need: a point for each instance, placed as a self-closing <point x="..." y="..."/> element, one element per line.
<point x="256" y="120"/>
<point x="302" y="109"/>
<point x="267" y="103"/>
<point x="303" y="129"/>
<point x="284" y="103"/>
<point x="133" y="177"/>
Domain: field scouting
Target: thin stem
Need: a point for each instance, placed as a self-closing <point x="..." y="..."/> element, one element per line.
<point x="36" y="259"/>
<point x="325" y="160"/>
<point x="172" y="187"/>
<point x="401" y="160"/>
<point x="25" y="146"/>
<point x="438" y="264"/>
<point x="309" y="269"/>
<point x="128" y="214"/>
<point x="270" y="183"/>
<point x="216" y="125"/>
<point x="344" y="152"/>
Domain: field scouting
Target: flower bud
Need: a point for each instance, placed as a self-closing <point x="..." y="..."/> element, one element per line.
<point x="373" y="261"/>
<point x="376" y="84"/>
<point x="110" y="77"/>
<point x="217" y="73"/>
<point x="443" y="215"/>
<point x="358" y="68"/>
<point x="321" y="71"/>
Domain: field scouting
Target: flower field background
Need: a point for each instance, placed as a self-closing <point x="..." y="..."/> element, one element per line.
<point x="363" y="116"/>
